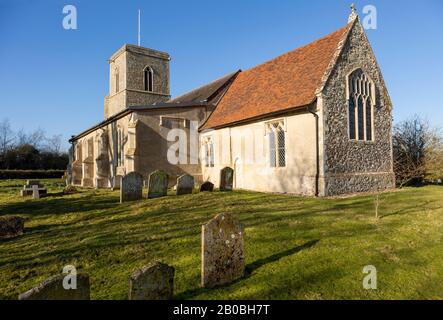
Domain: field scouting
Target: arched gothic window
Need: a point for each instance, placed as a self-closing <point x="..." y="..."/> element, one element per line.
<point x="361" y="102"/>
<point x="277" y="144"/>
<point x="148" y="79"/>
<point x="209" y="152"/>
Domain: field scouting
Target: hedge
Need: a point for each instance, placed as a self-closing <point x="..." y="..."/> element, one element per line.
<point x="31" y="174"/>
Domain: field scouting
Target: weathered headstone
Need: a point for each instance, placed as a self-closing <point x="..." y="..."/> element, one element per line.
<point x="185" y="184"/>
<point x="157" y="184"/>
<point x="35" y="192"/>
<point x="11" y="226"/>
<point x="207" y="186"/>
<point x="223" y="259"/>
<point x="52" y="289"/>
<point x="153" y="282"/>
<point x="131" y="187"/>
<point x="226" y="179"/>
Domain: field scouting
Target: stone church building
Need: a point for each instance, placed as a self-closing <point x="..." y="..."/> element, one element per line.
<point x="313" y="121"/>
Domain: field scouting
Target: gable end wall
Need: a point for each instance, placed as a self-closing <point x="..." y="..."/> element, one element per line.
<point x="351" y="166"/>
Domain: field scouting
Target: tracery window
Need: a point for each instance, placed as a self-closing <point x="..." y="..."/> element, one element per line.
<point x="209" y="152"/>
<point x="361" y="102"/>
<point x="277" y="144"/>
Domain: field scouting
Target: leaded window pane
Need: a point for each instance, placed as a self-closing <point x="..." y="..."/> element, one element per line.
<point x="281" y="148"/>
<point x="368" y="119"/>
<point x="351" y="118"/>
<point x="361" y="132"/>
<point x="272" y="157"/>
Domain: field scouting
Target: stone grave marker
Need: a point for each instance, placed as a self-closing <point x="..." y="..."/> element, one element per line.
<point x="157" y="184"/>
<point x="131" y="187"/>
<point x="35" y="192"/>
<point x="223" y="259"/>
<point x="207" y="186"/>
<point x="185" y="184"/>
<point x="226" y="179"/>
<point x="52" y="289"/>
<point x="153" y="282"/>
<point x="11" y="226"/>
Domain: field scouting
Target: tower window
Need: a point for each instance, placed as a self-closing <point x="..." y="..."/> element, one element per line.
<point x="117" y="80"/>
<point x="148" y="76"/>
<point x="360" y="107"/>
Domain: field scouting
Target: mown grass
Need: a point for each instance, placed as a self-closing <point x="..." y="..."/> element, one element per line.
<point x="296" y="248"/>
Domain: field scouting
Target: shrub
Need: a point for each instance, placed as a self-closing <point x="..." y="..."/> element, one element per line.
<point x="31" y="174"/>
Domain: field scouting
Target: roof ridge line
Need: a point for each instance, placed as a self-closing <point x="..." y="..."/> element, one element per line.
<point x="335" y="57"/>
<point x="295" y="49"/>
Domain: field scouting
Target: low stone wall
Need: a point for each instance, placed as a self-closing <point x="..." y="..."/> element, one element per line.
<point x="358" y="183"/>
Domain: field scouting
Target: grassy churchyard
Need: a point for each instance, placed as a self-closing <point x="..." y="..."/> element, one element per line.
<point x="296" y="247"/>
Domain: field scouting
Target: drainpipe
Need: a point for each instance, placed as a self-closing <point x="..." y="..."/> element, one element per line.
<point x="317" y="151"/>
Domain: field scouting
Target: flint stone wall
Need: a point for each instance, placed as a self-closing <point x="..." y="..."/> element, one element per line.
<point x="356" y="166"/>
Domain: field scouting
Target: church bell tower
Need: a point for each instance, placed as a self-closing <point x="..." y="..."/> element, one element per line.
<point x="137" y="76"/>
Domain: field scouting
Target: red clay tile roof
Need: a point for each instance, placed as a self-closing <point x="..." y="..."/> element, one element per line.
<point x="286" y="82"/>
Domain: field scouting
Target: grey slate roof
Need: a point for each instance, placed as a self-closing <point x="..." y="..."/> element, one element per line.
<point x="207" y="92"/>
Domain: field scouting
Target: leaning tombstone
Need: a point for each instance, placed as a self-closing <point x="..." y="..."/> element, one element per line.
<point x="53" y="289"/>
<point x="185" y="184"/>
<point x="207" y="186"/>
<point x="226" y="179"/>
<point x="153" y="282"/>
<point x="157" y="184"/>
<point x="223" y="259"/>
<point x="131" y="187"/>
<point x="11" y="226"/>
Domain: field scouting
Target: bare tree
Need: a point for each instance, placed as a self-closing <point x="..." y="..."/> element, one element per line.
<point x="417" y="151"/>
<point x="6" y="136"/>
<point x="35" y="138"/>
<point x="53" y="144"/>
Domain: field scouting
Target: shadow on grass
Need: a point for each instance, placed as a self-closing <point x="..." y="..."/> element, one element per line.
<point x="250" y="268"/>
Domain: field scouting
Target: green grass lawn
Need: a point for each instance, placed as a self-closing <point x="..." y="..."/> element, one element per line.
<point x="296" y="248"/>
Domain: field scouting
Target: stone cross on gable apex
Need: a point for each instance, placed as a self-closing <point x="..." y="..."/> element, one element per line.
<point x="353" y="14"/>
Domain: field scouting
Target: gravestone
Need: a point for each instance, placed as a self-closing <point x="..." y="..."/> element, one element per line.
<point x="35" y="192"/>
<point x="157" y="184"/>
<point x="131" y="187"/>
<point x="185" y="184"/>
<point x="153" y="282"/>
<point x="52" y="289"/>
<point x="28" y="188"/>
<point x="223" y="259"/>
<point x="226" y="179"/>
<point x="207" y="186"/>
<point x="11" y="226"/>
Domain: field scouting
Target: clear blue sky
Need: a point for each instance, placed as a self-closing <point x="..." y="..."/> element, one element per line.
<point x="56" y="79"/>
